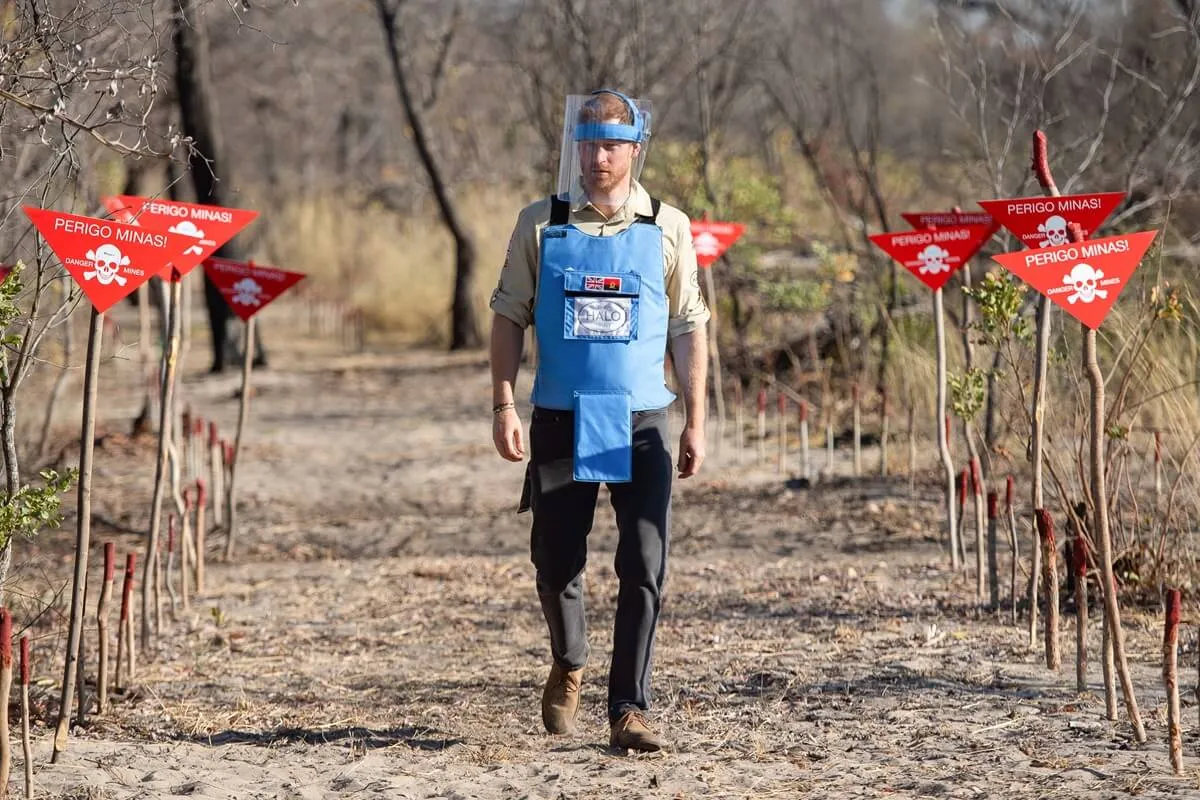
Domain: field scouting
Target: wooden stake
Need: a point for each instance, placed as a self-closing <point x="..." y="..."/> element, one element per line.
<point x="201" y="504"/>
<point x="829" y="441"/>
<point x="102" y="627"/>
<point x="1112" y="611"/>
<point x="26" y="739"/>
<point x="1079" y="555"/>
<point x="993" y="554"/>
<point x="185" y="546"/>
<point x="170" y="571"/>
<point x="762" y="425"/>
<point x="980" y="536"/>
<point x="944" y="434"/>
<point x="1158" y="471"/>
<point x="739" y="422"/>
<point x="216" y="468"/>
<point x="856" y="403"/>
<point x="6" y="679"/>
<point x="1012" y="542"/>
<point x="781" y="415"/>
<point x="1045" y="527"/>
<point x="81" y="704"/>
<point x="912" y="449"/>
<point x="1041" y="168"/>
<point x="883" y="434"/>
<point x="963" y="481"/>
<point x="150" y="571"/>
<point x="125" y="645"/>
<point x="1110" y="674"/>
<point x="243" y="412"/>
<point x="804" y="455"/>
<point x="83" y="531"/>
<point x="1171" y="679"/>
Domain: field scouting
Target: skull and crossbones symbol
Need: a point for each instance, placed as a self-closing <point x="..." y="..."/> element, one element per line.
<point x="933" y="260"/>
<point x="1085" y="280"/>
<point x="1055" y="231"/>
<point x="106" y="260"/>
<point x="247" y="292"/>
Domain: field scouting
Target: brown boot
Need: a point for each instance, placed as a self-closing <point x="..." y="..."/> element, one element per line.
<point x="560" y="699"/>
<point x="632" y="733"/>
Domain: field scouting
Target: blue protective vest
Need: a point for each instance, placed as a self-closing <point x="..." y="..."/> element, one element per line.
<point x="601" y="322"/>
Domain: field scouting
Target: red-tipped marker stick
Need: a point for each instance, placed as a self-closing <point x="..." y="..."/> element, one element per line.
<point x="201" y="531"/>
<point x="125" y="646"/>
<point x="993" y="545"/>
<point x="185" y="549"/>
<point x="6" y="680"/>
<point x="980" y="529"/>
<point x="1171" y="679"/>
<point x="26" y="739"/>
<point x="1045" y="526"/>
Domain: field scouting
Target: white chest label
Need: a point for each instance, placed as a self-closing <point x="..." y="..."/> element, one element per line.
<point x="603" y="316"/>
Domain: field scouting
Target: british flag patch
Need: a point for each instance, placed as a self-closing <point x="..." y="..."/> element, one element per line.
<point x="601" y="283"/>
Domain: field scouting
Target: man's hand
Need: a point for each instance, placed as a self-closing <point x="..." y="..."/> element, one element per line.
<point x="508" y="436"/>
<point x="691" y="451"/>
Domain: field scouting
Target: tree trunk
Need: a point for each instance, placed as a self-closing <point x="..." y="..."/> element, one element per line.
<point x="979" y="480"/>
<point x="939" y="321"/>
<point x="210" y="173"/>
<point x="12" y="471"/>
<point x="464" y="326"/>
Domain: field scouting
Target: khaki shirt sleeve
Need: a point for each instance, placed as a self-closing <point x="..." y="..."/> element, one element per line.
<point x="514" y="293"/>
<point x="686" y="308"/>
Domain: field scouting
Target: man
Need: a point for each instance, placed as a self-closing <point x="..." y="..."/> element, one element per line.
<point x="607" y="276"/>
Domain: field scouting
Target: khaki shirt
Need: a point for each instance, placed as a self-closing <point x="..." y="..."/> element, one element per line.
<point x="514" y="295"/>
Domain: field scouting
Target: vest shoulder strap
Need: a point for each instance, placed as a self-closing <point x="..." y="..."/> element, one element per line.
<point x="655" y="205"/>
<point x="560" y="210"/>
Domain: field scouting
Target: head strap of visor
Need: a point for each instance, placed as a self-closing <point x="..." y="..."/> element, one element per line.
<point x="613" y="131"/>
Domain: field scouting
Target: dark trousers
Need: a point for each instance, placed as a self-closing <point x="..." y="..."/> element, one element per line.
<point x="563" y="511"/>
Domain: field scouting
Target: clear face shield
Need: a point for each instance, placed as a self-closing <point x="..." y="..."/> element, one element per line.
<point x="598" y="148"/>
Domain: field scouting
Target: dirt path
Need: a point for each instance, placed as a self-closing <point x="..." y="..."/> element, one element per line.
<point x="379" y="637"/>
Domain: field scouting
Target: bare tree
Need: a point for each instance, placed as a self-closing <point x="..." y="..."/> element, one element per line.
<point x="464" y="327"/>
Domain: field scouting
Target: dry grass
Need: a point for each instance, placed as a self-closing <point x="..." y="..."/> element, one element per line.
<point x="399" y="271"/>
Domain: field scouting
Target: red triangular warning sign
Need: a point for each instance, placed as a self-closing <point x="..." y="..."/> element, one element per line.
<point x="934" y="255"/>
<point x="1083" y="278"/>
<point x="247" y="287"/>
<point x="210" y="226"/>
<point x="922" y="220"/>
<point x="1046" y="221"/>
<point x="711" y="239"/>
<point x="107" y="259"/>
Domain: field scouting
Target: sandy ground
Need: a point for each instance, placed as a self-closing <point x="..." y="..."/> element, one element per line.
<point x="378" y="635"/>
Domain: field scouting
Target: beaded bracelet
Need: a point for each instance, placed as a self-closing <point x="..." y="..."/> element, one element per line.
<point x="503" y="407"/>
